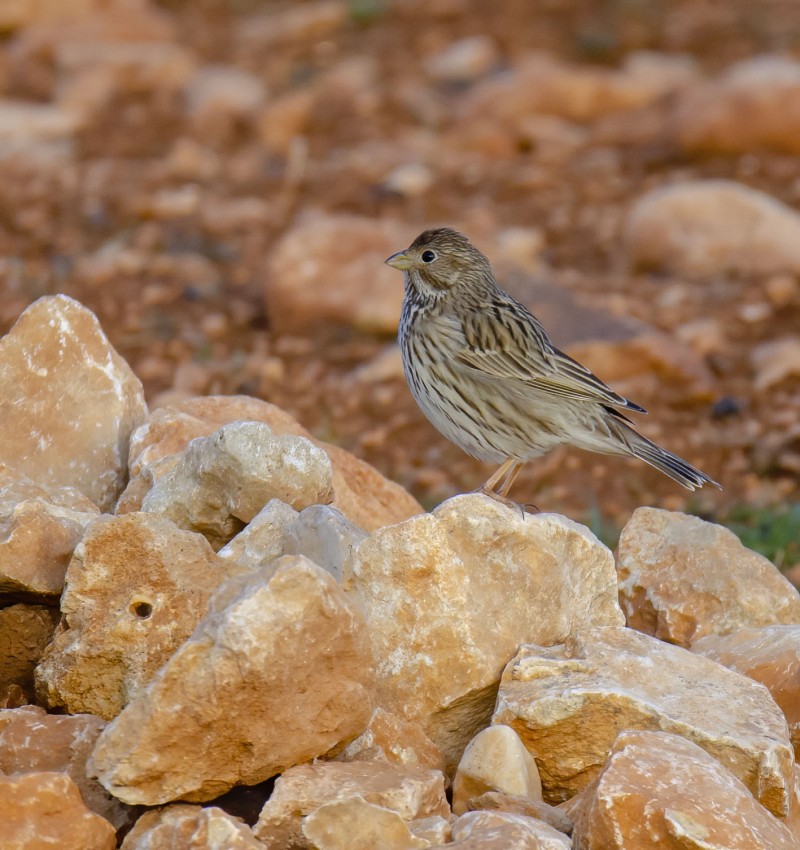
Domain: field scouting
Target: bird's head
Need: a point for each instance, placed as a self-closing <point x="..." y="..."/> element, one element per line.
<point x="439" y="260"/>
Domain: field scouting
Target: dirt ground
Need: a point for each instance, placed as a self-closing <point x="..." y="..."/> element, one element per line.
<point x="162" y="218"/>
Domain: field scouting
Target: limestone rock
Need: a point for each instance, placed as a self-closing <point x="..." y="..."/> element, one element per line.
<point x="39" y="810"/>
<point x="320" y="532"/>
<point x="503" y="831"/>
<point x="329" y="269"/>
<point x="186" y="827"/>
<point x="660" y="791"/>
<point x="39" y="529"/>
<point x="449" y="597"/>
<point x="136" y="588"/>
<point x="355" y="824"/>
<point x="59" y="371"/>
<point x="770" y="655"/>
<point x="611" y="679"/>
<point x="25" y="631"/>
<point x="704" y="228"/>
<point x="222" y="481"/>
<point x="326" y="537"/>
<point x="434" y="829"/>
<point x="411" y="792"/>
<point x="394" y="739"/>
<point x="681" y="578"/>
<point x="792" y="820"/>
<point x="495" y="760"/>
<point x="497" y="801"/>
<point x="748" y="109"/>
<point x="294" y="653"/>
<point x="361" y="493"/>
<point x="264" y="538"/>
<point x="32" y="741"/>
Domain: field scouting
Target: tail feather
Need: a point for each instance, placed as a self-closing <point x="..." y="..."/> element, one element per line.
<point x="676" y="468"/>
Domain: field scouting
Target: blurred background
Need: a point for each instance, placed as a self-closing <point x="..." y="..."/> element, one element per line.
<point x="220" y="181"/>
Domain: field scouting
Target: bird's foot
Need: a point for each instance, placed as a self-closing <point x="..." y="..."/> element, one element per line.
<point x="504" y="500"/>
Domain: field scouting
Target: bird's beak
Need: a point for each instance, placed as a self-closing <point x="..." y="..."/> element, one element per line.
<point x="400" y="260"/>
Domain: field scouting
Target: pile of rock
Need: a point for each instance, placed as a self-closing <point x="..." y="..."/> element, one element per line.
<point x="252" y="617"/>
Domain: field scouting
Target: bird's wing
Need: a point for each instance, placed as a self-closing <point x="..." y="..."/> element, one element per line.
<point x="507" y="342"/>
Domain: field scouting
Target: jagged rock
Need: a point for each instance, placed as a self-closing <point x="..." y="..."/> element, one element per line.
<point x="355" y="824"/>
<point x="291" y="652"/>
<point x="434" y="829"/>
<point x="320" y="532"/>
<point x="503" y="831"/>
<point x="59" y="372"/>
<point x="25" y="631"/>
<point x="264" y="538"/>
<point x="496" y="801"/>
<point x="32" y="741"/>
<point x="361" y="493"/>
<point x="412" y="792"/>
<point x="681" y="578"/>
<point x="185" y="827"/>
<point x="611" y="679"/>
<point x="770" y="655"/>
<point x="394" y="739"/>
<point x="703" y="228"/>
<point x="39" y="529"/>
<point x="661" y="791"/>
<point x="39" y="810"/>
<point x="222" y="481"/>
<point x="495" y="760"/>
<point x="449" y="597"/>
<point x="135" y="590"/>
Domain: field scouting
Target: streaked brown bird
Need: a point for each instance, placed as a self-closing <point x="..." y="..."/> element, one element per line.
<point x="485" y="373"/>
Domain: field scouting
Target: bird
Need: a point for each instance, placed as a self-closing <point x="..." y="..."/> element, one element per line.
<point x="484" y="371"/>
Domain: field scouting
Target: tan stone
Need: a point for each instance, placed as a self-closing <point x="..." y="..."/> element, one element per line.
<point x="264" y="538"/>
<point x="703" y="228"/>
<point x="660" y="791"/>
<point x="39" y="529"/>
<point x="396" y="740"/>
<point x="792" y="820"/>
<point x="355" y="824"/>
<point x="681" y="578"/>
<point x="320" y="532"/>
<point x="497" y="801"/>
<point x="770" y="655"/>
<point x="25" y="630"/>
<point x="747" y="109"/>
<point x="41" y="810"/>
<point x="449" y="597"/>
<point x="502" y="831"/>
<point x="136" y="588"/>
<point x="68" y="401"/>
<point x="222" y="481"/>
<point x="361" y="493"/>
<point x="185" y="827"/>
<point x="329" y="269"/>
<point x="495" y="760"/>
<point x="434" y="829"/>
<point x="277" y="673"/>
<point x="32" y="741"/>
<point x="611" y="679"/>
<point x="409" y="791"/>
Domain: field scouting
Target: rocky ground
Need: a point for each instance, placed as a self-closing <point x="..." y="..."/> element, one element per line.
<point x="241" y="603"/>
<point x="218" y="632"/>
<point x="220" y="182"/>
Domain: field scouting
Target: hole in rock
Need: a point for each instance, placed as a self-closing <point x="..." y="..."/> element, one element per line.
<point x="141" y="608"/>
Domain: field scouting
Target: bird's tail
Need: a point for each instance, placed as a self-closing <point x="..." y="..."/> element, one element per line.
<point x="673" y="466"/>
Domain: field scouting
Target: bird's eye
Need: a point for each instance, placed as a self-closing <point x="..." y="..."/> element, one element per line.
<point x="428" y="256"/>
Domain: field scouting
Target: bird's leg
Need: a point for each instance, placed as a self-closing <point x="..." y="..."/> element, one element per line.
<point x="505" y="474"/>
